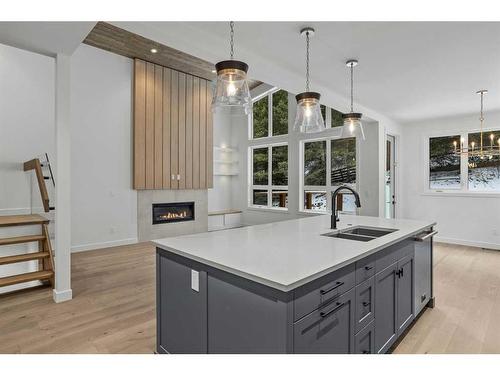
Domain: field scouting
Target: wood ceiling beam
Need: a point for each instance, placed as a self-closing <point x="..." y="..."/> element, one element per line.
<point x="122" y="42"/>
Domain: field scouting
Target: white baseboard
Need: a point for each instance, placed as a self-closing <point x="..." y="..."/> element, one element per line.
<point x="101" y="245"/>
<point x="455" y="241"/>
<point x="62" y="295"/>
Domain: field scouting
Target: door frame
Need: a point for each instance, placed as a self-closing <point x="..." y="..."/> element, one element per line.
<point x="394" y="175"/>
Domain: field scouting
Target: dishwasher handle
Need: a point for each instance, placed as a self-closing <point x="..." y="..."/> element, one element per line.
<point x="425" y="235"/>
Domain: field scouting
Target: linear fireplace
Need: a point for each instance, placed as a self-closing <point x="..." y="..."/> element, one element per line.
<point x="172" y="212"/>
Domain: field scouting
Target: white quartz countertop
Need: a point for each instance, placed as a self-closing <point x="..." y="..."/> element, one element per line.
<point x="285" y="255"/>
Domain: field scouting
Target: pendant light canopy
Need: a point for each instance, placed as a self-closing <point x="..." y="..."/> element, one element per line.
<point x="232" y="94"/>
<point x="352" y="120"/>
<point x="308" y="118"/>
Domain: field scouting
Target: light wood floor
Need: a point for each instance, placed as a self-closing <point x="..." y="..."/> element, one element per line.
<point x="113" y="310"/>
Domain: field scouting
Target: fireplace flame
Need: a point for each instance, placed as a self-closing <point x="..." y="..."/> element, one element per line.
<point x="173" y="215"/>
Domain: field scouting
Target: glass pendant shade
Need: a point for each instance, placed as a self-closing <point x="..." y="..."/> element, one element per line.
<point x="353" y="126"/>
<point x="308" y="118"/>
<point x="232" y="94"/>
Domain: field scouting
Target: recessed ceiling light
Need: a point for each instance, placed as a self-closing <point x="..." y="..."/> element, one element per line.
<point x="214" y="71"/>
<point x="154" y="50"/>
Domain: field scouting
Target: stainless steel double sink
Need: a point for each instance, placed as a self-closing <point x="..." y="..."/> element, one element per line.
<point x="360" y="233"/>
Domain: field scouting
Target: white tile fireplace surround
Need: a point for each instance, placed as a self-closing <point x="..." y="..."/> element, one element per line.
<point x="149" y="231"/>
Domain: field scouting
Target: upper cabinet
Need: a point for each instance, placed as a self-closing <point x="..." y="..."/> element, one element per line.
<point x="173" y="129"/>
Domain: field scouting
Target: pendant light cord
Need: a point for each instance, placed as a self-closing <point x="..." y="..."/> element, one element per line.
<point x="231" y="43"/>
<point x="352" y="88"/>
<point x="307" y="61"/>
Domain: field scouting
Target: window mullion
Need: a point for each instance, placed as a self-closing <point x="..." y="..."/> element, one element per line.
<point x="269" y="175"/>
<point x="464" y="166"/>
<point x="270" y="116"/>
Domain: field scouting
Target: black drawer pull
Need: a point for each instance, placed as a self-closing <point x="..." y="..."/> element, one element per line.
<point x="366" y="352"/>
<point x="368" y="268"/>
<point x="339" y="283"/>
<point x="324" y="315"/>
<point x="366" y="304"/>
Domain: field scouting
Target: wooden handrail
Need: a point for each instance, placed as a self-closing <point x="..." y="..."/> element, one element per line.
<point x="36" y="165"/>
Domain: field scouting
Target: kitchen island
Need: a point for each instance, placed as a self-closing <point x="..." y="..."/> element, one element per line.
<point x="294" y="286"/>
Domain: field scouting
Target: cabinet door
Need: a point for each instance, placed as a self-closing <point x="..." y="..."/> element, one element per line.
<point x="364" y="342"/>
<point x="405" y="293"/>
<point x="386" y="327"/>
<point x="181" y="310"/>
<point x="329" y="330"/>
<point x="365" y="303"/>
<point x="244" y="321"/>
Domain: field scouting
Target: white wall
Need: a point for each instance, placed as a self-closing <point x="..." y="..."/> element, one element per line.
<point x="104" y="205"/>
<point x="220" y="196"/>
<point x="462" y="219"/>
<point x="26" y="121"/>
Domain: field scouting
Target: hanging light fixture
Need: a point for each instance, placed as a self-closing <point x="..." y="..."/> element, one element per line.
<point x="352" y="120"/>
<point x="231" y="92"/>
<point x="480" y="151"/>
<point x="308" y="118"/>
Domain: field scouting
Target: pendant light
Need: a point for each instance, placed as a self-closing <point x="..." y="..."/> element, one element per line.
<point x="308" y="118"/>
<point x="232" y="94"/>
<point x="352" y="120"/>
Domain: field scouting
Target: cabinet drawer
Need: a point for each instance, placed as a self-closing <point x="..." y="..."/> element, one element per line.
<point x="365" y="303"/>
<point x="364" y="341"/>
<point x="393" y="253"/>
<point x="365" y="268"/>
<point x="329" y="330"/>
<point x="312" y="297"/>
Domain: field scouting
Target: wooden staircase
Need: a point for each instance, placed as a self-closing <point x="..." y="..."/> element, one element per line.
<point x="44" y="256"/>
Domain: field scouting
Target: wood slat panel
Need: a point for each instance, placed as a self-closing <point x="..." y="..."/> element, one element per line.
<point x="203" y="134"/>
<point x="150" y="111"/>
<point x="182" y="130"/>
<point x="189" y="132"/>
<point x="210" y="139"/>
<point x="158" y="134"/>
<point x="166" y="128"/>
<point x="140" y="125"/>
<point x="174" y="130"/>
<point x="196" y="133"/>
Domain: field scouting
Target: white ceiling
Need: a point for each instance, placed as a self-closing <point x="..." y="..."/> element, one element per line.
<point x="408" y="70"/>
<point x="47" y="38"/>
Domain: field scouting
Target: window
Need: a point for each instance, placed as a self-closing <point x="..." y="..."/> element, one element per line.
<point x="444" y="165"/>
<point x="315" y="163"/>
<point x="266" y="122"/>
<point x="484" y="173"/>
<point x="343" y="164"/>
<point x="269" y="187"/>
<point x="449" y="171"/>
<point x="337" y="119"/>
<point x="338" y="156"/>
<point x="280" y="113"/>
<point x="260" y="118"/>
<point x="332" y="117"/>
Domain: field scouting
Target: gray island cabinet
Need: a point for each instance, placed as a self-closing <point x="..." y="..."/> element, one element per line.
<point x="360" y="305"/>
